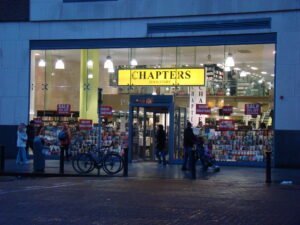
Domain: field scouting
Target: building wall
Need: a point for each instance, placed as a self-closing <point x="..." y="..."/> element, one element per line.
<point x="56" y="20"/>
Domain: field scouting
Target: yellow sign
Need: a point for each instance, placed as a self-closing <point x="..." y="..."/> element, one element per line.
<point x="162" y="77"/>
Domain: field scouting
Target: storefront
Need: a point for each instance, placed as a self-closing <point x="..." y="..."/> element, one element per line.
<point x="195" y="78"/>
<point x="52" y="64"/>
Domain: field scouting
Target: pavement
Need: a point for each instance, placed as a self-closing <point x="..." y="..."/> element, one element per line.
<point x="153" y="194"/>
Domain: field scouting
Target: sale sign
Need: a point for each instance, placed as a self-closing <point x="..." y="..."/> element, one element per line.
<point x="252" y="109"/>
<point x="63" y="109"/>
<point x="85" y="124"/>
<point x="203" y="109"/>
<point x="106" y="110"/>
<point x="226" y="125"/>
<point x="227" y="110"/>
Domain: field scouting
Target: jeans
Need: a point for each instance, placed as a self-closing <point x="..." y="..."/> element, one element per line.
<point x="21" y="156"/>
<point x="187" y="157"/>
<point x="161" y="153"/>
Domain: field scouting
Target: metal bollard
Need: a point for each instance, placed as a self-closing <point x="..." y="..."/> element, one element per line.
<point x="125" y="170"/>
<point x="62" y="161"/>
<point x="268" y="167"/>
<point x="2" y="158"/>
<point x="193" y="164"/>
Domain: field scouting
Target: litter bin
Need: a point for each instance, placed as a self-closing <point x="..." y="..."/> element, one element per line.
<point x="38" y="156"/>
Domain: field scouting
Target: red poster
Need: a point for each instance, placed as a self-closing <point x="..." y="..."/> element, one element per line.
<point x="203" y="109"/>
<point x="227" y="110"/>
<point x="252" y="109"/>
<point x="63" y="109"/>
<point x="226" y="125"/>
<point x="85" y="124"/>
<point x="106" y="110"/>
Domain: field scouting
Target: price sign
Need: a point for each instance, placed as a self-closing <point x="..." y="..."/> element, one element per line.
<point x="63" y="109"/>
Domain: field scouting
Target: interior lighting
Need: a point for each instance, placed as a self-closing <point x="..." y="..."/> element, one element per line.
<point x="254" y="68"/>
<point x="264" y="72"/>
<point x="227" y="69"/>
<point x="244" y="73"/>
<point x="42" y="63"/>
<point x="108" y="64"/>
<point x="90" y="64"/>
<point x="229" y="61"/>
<point x="133" y="62"/>
<point x="272" y="75"/>
<point x="237" y="69"/>
<point x="111" y="70"/>
<point x="90" y="76"/>
<point x="60" y="65"/>
<point x="260" y="81"/>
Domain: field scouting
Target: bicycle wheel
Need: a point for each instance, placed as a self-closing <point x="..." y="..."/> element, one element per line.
<point x="112" y="163"/>
<point x="75" y="164"/>
<point x="85" y="163"/>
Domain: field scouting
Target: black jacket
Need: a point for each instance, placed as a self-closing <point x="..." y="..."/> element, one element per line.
<point x="188" y="137"/>
<point x="160" y="139"/>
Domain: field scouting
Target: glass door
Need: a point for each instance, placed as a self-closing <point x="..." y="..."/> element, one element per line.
<point x="179" y="122"/>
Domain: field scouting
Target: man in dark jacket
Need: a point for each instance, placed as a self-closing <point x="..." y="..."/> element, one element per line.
<point x="160" y="144"/>
<point x="188" y="143"/>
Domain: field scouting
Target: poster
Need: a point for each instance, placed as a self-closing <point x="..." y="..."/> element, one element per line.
<point x="225" y="125"/>
<point x="252" y="109"/>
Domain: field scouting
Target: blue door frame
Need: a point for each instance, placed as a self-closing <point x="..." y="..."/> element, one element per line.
<point x="152" y="101"/>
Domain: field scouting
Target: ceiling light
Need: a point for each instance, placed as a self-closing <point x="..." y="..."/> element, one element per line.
<point x="90" y="64"/>
<point x="272" y="75"/>
<point x="229" y="60"/>
<point x="133" y="62"/>
<point x="260" y="81"/>
<point x="237" y="69"/>
<point x="59" y="65"/>
<point x="201" y="64"/>
<point x="37" y="54"/>
<point x="274" y="52"/>
<point x="90" y="76"/>
<point x="244" y="73"/>
<point x="108" y="63"/>
<point x="111" y="70"/>
<point x="254" y="68"/>
<point x="227" y="69"/>
<point x="264" y="72"/>
<point x="42" y="63"/>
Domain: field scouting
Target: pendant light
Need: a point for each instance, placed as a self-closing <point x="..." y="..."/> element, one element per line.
<point x="133" y="61"/>
<point x="60" y="65"/>
<point x="42" y="63"/>
<point x="90" y="64"/>
<point x="111" y="70"/>
<point x="108" y="63"/>
<point x="229" y="62"/>
<point x="90" y="76"/>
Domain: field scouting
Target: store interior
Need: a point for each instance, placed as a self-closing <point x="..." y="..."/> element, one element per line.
<point x="73" y="76"/>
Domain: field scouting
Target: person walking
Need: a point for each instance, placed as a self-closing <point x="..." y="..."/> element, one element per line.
<point x="64" y="137"/>
<point x="160" y="144"/>
<point x="21" y="144"/>
<point x="188" y="143"/>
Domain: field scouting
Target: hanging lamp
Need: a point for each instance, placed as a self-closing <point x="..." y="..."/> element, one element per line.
<point x="229" y="62"/>
<point x="60" y="65"/>
<point x="42" y="63"/>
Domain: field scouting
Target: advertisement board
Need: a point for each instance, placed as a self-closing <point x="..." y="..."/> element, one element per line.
<point x="63" y="109"/>
<point x="203" y="109"/>
<point x="252" y="109"/>
<point x="225" y="125"/>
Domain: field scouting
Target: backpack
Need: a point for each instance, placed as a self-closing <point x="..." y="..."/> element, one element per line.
<point x="62" y="136"/>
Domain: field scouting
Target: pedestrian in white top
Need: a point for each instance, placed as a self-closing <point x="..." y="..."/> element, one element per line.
<point x="21" y="144"/>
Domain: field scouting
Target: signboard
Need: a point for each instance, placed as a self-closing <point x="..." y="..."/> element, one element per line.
<point x="197" y="96"/>
<point x="162" y="77"/>
<point x="227" y="110"/>
<point x="106" y="110"/>
<point x="63" y="109"/>
<point x="85" y="124"/>
<point x="226" y="125"/>
<point x="252" y="109"/>
<point x="203" y="109"/>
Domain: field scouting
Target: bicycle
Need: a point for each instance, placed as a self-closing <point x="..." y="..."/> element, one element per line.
<point x="91" y="158"/>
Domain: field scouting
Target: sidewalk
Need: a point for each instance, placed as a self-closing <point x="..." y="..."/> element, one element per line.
<point x="153" y="170"/>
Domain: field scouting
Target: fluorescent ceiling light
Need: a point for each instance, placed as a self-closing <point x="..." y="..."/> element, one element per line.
<point x="254" y="68"/>
<point x="42" y="63"/>
<point x="272" y="75"/>
<point x="264" y="72"/>
<point x="229" y="60"/>
<point x="59" y="65"/>
<point x="90" y="76"/>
